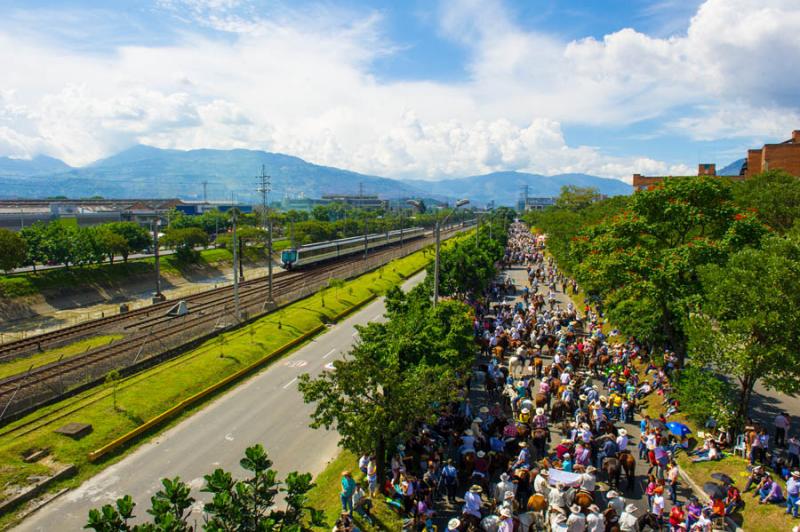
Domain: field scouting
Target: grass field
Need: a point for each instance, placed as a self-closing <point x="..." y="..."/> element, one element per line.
<point x="145" y="395"/>
<point x="769" y="517"/>
<point x="325" y="496"/>
<point x="21" y="365"/>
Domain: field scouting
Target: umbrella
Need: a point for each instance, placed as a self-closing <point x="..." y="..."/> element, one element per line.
<point x="679" y="429"/>
<point x="722" y="477"/>
<point x="714" y="490"/>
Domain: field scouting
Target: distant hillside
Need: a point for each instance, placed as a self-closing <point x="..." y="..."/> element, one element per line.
<point x="40" y="164"/>
<point x="732" y="169"/>
<point x="144" y="171"/>
<point x="505" y="187"/>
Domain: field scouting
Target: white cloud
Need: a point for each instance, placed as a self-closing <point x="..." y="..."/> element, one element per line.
<point x="303" y="85"/>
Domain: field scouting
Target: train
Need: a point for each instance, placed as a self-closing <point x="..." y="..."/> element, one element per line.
<point x="298" y="257"/>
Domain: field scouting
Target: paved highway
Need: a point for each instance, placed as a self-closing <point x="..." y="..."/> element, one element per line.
<point x="266" y="409"/>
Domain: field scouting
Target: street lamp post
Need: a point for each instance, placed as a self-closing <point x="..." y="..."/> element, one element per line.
<point x="437" y="235"/>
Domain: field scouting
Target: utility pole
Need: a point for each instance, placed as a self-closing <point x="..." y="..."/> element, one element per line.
<point x="366" y="249"/>
<point x="265" y="186"/>
<point x="235" y="270"/>
<point x="158" y="297"/>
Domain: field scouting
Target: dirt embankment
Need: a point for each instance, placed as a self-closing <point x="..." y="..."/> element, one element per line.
<point x="64" y="305"/>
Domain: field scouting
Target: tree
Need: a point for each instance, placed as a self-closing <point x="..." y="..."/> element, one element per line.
<point x="575" y="198"/>
<point x="185" y="241"/>
<point x="137" y="238"/>
<point x="34" y="237"/>
<point x="112" y="379"/>
<point x="395" y="375"/>
<point x="642" y="262"/>
<point x="748" y="326"/>
<point x="113" y="243"/>
<point x="13" y="250"/>
<point x="59" y="243"/>
<point x="774" y="196"/>
<point x="237" y="505"/>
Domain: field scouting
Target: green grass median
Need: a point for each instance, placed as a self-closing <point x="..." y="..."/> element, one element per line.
<point x="147" y="394"/>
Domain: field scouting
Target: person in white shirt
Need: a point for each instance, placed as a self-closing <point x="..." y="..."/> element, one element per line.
<point x="576" y="522"/>
<point x="595" y="522"/>
<point x="502" y="487"/>
<point x="588" y="479"/>
<point x="616" y="502"/>
<point x="628" y="520"/>
<point x="541" y="484"/>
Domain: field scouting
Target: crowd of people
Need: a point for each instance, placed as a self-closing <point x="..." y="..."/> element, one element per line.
<point x="544" y="445"/>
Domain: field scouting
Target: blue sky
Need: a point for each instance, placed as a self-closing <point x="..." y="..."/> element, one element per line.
<point x="418" y="89"/>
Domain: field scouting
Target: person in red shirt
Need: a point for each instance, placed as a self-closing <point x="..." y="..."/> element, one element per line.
<point x="676" y="516"/>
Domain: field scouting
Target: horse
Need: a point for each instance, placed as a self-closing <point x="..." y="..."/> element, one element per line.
<point x="584" y="499"/>
<point x="558" y="410"/>
<point x="539" y="442"/>
<point x="516" y="366"/>
<point x="612" y="520"/>
<point x="540" y="400"/>
<point x="648" y="521"/>
<point x="537" y="367"/>
<point x="613" y="469"/>
<point x="628" y="463"/>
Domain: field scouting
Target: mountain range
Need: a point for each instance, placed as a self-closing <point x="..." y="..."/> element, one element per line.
<point x="145" y="171"/>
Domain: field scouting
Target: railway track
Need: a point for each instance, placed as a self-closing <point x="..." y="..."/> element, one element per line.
<point x="135" y="318"/>
<point x="151" y="327"/>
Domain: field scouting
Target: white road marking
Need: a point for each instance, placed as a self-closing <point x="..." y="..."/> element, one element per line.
<point x="375" y="317"/>
<point x="229" y="436"/>
<point x="355" y="334"/>
<point x="332" y="351"/>
<point x="289" y="383"/>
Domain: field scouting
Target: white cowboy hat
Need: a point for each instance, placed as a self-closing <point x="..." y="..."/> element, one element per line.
<point x="477" y="419"/>
<point x="526" y="410"/>
<point x="586" y="426"/>
<point x="603" y="399"/>
<point x="484" y="409"/>
<point x="503" y="476"/>
<point x="468" y="432"/>
<point x="631" y="508"/>
<point x="508" y="495"/>
<point x="612" y="494"/>
<point x="796" y="474"/>
<point x="582" y="397"/>
<point x="523" y="444"/>
<point x="591" y="469"/>
<point x="575" y="509"/>
<point x="453" y="524"/>
<point x="401" y="447"/>
<point x="622" y="432"/>
<point x="476" y="489"/>
<point x="505" y="512"/>
<point x="539" y="411"/>
<point x="594" y="508"/>
<point x="481" y="454"/>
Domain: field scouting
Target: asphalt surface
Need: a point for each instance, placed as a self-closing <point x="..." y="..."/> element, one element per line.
<point x="266" y="409"/>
